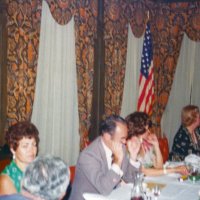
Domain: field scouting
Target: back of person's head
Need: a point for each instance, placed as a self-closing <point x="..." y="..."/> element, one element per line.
<point x="20" y="130"/>
<point x="137" y="123"/>
<point x="189" y="115"/>
<point x="47" y="177"/>
<point x="109" y="124"/>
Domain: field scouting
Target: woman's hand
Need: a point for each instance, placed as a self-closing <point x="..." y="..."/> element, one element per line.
<point x="152" y="139"/>
<point x="133" y="146"/>
<point x="181" y="170"/>
<point x="145" y="145"/>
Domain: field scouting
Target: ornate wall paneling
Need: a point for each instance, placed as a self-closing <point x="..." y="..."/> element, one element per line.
<point x="62" y="11"/>
<point x="138" y="15"/>
<point x="118" y="15"/>
<point x="3" y="70"/>
<point x="168" y="24"/>
<point x="192" y="27"/>
<point x="97" y="112"/>
<point x="23" y="40"/>
<point x="115" y="34"/>
<point x="86" y="29"/>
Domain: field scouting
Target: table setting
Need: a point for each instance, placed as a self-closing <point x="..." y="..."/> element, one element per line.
<point x="165" y="187"/>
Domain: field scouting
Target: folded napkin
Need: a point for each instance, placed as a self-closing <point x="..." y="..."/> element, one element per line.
<point x="193" y="160"/>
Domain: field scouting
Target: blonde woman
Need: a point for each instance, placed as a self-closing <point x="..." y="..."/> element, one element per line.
<point x="187" y="139"/>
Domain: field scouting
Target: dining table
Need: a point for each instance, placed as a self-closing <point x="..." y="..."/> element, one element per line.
<point x="171" y="187"/>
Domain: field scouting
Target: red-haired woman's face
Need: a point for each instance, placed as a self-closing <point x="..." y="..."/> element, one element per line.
<point x="26" y="151"/>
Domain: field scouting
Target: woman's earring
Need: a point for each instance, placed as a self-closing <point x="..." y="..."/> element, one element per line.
<point x="13" y="156"/>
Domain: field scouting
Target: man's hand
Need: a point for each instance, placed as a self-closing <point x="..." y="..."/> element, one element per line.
<point x="117" y="151"/>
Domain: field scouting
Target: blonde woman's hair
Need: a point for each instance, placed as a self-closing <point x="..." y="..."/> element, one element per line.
<point x="189" y="115"/>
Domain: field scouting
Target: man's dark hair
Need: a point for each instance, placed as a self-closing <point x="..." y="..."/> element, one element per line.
<point x="109" y="124"/>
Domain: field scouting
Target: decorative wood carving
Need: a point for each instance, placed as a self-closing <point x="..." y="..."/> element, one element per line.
<point x="3" y="70"/>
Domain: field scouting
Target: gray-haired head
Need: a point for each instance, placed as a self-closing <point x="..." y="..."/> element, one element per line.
<point x="110" y="123"/>
<point x="47" y="177"/>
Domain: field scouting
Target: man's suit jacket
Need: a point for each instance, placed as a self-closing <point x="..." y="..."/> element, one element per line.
<point x="92" y="173"/>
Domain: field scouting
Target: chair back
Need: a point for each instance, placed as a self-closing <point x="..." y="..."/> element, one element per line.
<point x="72" y="173"/>
<point x="164" y="148"/>
<point x="4" y="163"/>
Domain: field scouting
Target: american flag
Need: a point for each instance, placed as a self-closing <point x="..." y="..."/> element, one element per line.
<point x="146" y="81"/>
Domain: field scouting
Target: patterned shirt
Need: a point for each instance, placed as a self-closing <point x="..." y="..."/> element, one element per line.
<point x="13" y="171"/>
<point x="183" y="144"/>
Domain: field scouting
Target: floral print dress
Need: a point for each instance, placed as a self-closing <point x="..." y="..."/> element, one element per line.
<point x="183" y="144"/>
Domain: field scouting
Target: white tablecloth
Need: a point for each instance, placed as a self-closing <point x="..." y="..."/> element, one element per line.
<point x="173" y="190"/>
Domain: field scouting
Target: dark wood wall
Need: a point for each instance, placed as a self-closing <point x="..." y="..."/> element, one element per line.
<point x="3" y="71"/>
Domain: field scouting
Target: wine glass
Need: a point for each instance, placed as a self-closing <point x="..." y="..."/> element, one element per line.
<point x="156" y="191"/>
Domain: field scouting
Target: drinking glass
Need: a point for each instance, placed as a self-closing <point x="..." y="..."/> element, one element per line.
<point x="137" y="190"/>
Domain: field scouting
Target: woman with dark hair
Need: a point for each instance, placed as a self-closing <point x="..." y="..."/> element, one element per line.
<point x="187" y="139"/>
<point x="23" y="139"/>
<point x="149" y="154"/>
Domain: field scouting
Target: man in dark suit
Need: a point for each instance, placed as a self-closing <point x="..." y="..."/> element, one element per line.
<point x="105" y="164"/>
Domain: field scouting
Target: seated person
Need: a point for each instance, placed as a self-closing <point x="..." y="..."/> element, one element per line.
<point x="104" y="163"/>
<point x="187" y="139"/>
<point x="23" y="139"/>
<point x="149" y="154"/>
<point x="47" y="177"/>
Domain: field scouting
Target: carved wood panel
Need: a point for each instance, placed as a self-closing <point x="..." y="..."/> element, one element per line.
<point x="3" y="71"/>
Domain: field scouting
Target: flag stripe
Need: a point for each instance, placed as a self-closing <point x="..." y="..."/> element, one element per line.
<point x="146" y="82"/>
<point x="144" y="88"/>
<point x="145" y="99"/>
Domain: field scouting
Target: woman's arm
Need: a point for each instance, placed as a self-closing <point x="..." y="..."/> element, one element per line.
<point x="6" y="185"/>
<point x="158" y="160"/>
<point x="157" y="172"/>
